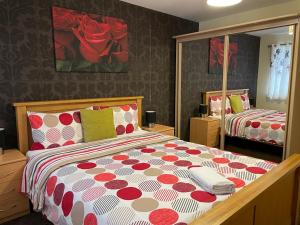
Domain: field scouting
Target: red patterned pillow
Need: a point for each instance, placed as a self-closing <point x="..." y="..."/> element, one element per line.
<point x="50" y="130"/>
<point x="245" y="101"/>
<point x="215" y="103"/>
<point x="125" y="118"/>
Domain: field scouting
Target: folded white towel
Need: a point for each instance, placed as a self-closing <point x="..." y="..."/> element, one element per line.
<point x="211" y="181"/>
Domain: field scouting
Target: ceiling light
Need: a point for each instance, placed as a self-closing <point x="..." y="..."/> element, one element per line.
<point x="223" y="3"/>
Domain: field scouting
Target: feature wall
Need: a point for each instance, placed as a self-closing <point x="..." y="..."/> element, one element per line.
<point x="27" y="68"/>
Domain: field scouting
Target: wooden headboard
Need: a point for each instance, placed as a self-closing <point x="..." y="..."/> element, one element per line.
<point x="208" y="94"/>
<point x="23" y="127"/>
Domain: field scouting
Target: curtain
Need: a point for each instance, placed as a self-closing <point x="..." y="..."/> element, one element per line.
<point x="278" y="83"/>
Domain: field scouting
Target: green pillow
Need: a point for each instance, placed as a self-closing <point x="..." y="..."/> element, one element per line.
<point x="236" y="103"/>
<point x="97" y="124"/>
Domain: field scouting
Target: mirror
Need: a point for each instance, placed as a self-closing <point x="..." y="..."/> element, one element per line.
<point x="259" y="66"/>
<point x="202" y="66"/>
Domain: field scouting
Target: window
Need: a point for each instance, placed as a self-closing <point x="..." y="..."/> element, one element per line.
<point x="278" y="83"/>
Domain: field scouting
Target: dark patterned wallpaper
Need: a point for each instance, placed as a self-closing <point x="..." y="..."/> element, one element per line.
<point x="195" y="77"/>
<point x="27" y="62"/>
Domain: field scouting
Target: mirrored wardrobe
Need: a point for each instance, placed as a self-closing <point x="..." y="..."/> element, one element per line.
<point x="233" y="90"/>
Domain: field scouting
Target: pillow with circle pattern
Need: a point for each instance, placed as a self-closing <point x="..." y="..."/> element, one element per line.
<point x="51" y="130"/>
<point x="125" y="117"/>
<point x="215" y="104"/>
<point x="245" y="101"/>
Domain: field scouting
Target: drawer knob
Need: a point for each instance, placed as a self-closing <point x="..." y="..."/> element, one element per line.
<point x="4" y="210"/>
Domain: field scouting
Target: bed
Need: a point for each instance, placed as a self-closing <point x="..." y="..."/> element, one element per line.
<point x="262" y="125"/>
<point x="142" y="179"/>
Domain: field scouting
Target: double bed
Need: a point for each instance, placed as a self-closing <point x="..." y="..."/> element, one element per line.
<point x="143" y="178"/>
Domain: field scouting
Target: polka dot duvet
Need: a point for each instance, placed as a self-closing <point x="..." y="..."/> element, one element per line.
<point x="138" y="180"/>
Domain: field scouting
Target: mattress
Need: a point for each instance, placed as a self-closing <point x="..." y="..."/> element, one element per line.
<point x="138" y="180"/>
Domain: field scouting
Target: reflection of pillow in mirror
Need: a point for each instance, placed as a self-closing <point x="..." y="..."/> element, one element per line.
<point x="245" y="101"/>
<point x="236" y="103"/>
<point x="215" y="104"/>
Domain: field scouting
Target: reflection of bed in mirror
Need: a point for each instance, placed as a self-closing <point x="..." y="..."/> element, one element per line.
<point x="261" y="125"/>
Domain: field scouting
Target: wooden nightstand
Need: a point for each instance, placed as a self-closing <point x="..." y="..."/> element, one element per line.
<point x="205" y="131"/>
<point x="12" y="203"/>
<point x="161" y="129"/>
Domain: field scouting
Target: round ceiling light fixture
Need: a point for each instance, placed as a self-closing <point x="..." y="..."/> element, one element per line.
<point x="222" y="3"/>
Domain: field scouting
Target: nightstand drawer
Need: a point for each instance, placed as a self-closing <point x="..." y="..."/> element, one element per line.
<point x="9" y="187"/>
<point x="214" y="125"/>
<point x="11" y="172"/>
<point x="213" y="130"/>
<point x="14" y="203"/>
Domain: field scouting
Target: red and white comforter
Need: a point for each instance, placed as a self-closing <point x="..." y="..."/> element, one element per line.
<point x="140" y="180"/>
<point x="257" y="124"/>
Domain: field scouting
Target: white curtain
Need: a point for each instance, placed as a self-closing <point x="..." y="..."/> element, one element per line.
<point x="278" y="83"/>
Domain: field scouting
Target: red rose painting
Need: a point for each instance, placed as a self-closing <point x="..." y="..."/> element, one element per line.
<point x="216" y="56"/>
<point x="89" y="42"/>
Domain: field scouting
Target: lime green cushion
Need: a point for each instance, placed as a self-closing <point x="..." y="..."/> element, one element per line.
<point x="97" y="124"/>
<point x="236" y="103"/>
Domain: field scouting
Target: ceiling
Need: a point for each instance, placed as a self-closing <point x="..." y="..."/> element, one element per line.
<point x="198" y="10"/>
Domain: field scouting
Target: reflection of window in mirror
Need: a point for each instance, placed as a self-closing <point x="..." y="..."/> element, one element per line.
<point x="274" y="68"/>
<point x="279" y="72"/>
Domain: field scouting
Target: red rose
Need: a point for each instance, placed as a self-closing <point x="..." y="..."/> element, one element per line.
<point x="232" y="56"/>
<point x="120" y="38"/>
<point x="217" y="51"/>
<point x="119" y="31"/>
<point x="64" y="19"/>
<point x="94" y="37"/>
<point x="63" y="45"/>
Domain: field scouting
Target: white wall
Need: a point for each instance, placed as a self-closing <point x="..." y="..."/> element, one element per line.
<point x="264" y="69"/>
<point x="290" y="7"/>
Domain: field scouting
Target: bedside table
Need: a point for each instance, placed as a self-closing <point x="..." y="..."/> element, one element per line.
<point x="161" y="129"/>
<point x="205" y="131"/>
<point x="12" y="203"/>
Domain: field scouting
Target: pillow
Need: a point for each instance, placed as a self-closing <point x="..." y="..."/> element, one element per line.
<point x="215" y="103"/>
<point x="51" y="130"/>
<point x="97" y="125"/>
<point x="236" y="103"/>
<point x="245" y="101"/>
<point x="125" y="117"/>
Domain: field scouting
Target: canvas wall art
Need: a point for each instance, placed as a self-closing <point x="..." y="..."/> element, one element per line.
<point x="216" y="56"/>
<point x="89" y="42"/>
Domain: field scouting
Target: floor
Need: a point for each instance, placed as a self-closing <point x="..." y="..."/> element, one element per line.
<point x="30" y="219"/>
<point x="254" y="149"/>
